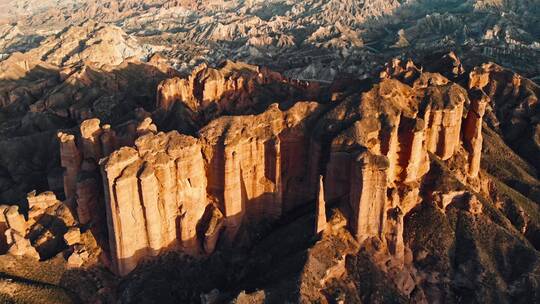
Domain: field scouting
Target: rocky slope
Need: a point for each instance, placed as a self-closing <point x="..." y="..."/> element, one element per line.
<point x="311" y="39"/>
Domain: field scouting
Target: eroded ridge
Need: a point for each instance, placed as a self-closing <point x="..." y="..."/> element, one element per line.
<point x="170" y="191"/>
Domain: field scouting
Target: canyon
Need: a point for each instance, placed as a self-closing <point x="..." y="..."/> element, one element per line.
<point x="231" y="149"/>
<point x="282" y="151"/>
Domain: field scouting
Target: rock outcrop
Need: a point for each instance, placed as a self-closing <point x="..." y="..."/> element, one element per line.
<point x="368" y="195"/>
<point x="155" y="196"/>
<point x="320" y="211"/>
<point x="232" y="88"/>
<point x="90" y="41"/>
<point x="472" y="133"/>
<point x="378" y="147"/>
<point x="80" y="154"/>
<point x="159" y="190"/>
<point x="41" y="235"/>
<point x="512" y="110"/>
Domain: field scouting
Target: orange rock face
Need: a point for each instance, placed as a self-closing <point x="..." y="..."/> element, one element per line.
<point x="206" y="86"/>
<point x="368" y="195"/>
<point x="512" y="109"/>
<point x="160" y="193"/>
<point x="380" y="142"/>
<point x="254" y="166"/>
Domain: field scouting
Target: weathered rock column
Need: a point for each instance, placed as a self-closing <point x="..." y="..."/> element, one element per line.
<point x="320" y="215"/>
<point x="134" y="239"/>
<point x="444" y="130"/>
<point x="191" y="185"/>
<point x="390" y="147"/>
<point x="90" y="139"/>
<point x="368" y="195"/>
<point x="70" y="159"/>
<point x="472" y="131"/>
<point x="108" y="140"/>
<point x="451" y="131"/>
<point x="87" y="200"/>
<point x="233" y="195"/>
<point x="112" y="167"/>
<point x="417" y="162"/>
<point x="165" y="171"/>
<point x="150" y="198"/>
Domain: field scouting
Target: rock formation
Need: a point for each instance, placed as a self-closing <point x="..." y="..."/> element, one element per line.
<point x="320" y="213"/>
<point x="512" y="108"/>
<point x="166" y="191"/>
<point x="233" y="87"/>
<point x="368" y="195"/>
<point x="158" y="192"/>
<point x="162" y="184"/>
<point x="88" y="42"/>
<point x="80" y="154"/>
<point x="140" y="141"/>
<point x="472" y="133"/>
<point x="42" y="234"/>
<point x="379" y="153"/>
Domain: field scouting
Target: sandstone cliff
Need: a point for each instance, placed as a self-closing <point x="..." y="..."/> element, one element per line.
<point x="158" y="191"/>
